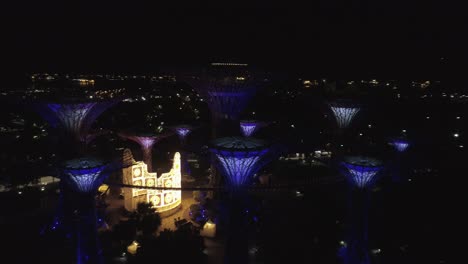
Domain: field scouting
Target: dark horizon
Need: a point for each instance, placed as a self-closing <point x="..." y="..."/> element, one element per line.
<point x="329" y="39"/>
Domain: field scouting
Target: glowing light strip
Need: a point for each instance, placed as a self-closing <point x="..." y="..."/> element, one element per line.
<point x="228" y="64"/>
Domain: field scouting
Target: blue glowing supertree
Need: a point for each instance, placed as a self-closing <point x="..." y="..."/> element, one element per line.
<point x="146" y="140"/>
<point x="227" y="88"/>
<point x="249" y="127"/>
<point x="83" y="176"/>
<point x="361" y="173"/>
<point x="72" y="119"/>
<point x="239" y="159"/>
<point x="400" y="144"/>
<point x="344" y="112"/>
<point x="75" y="118"/>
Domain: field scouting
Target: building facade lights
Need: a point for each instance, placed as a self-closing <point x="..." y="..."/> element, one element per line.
<point x="161" y="199"/>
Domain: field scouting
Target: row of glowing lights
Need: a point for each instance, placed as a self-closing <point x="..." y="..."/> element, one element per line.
<point x="86" y="77"/>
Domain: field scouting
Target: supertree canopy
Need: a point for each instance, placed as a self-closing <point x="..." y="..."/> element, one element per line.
<point x="400" y="144"/>
<point x="84" y="174"/>
<point x="72" y="115"/>
<point x="227" y="88"/>
<point x="344" y="112"/>
<point x="239" y="158"/>
<point x="146" y="140"/>
<point x="183" y="131"/>
<point x="249" y="127"/>
<point x="361" y="171"/>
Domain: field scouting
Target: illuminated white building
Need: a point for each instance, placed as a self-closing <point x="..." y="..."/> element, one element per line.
<point x="162" y="199"/>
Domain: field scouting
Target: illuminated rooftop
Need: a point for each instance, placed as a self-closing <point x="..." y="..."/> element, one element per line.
<point x="239" y="144"/>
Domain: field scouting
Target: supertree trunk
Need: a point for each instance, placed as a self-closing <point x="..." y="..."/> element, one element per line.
<point x="236" y="248"/>
<point x="185" y="165"/>
<point x="148" y="158"/>
<point x="357" y="251"/>
<point x="87" y="244"/>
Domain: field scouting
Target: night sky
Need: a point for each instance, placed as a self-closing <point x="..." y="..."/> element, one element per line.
<point x="324" y="39"/>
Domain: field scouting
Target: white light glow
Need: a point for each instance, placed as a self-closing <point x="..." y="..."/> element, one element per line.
<point x="344" y="115"/>
<point x="162" y="199"/>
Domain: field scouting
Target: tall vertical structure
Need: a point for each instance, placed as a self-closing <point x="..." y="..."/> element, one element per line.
<point x="400" y="146"/>
<point x="344" y="112"/>
<point x="182" y="132"/>
<point x="83" y="177"/>
<point x="227" y="88"/>
<point x="238" y="159"/>
<point x="249" y="127"/>
<point x="146" y="142"/>
<point x="361" y="173"/>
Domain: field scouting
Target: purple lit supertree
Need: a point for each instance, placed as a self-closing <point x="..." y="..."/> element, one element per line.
<point x="146" y="142"/>
<point x="182" y="132"/>
<point x="249" y="127"/>
<point x="344" y="112"/>
<point x="400" y="145"/>
<point x="72" y="116"/>
<point x="227" y="88"/>
<point x="361" y="173"/>
<point x="83" y="176"/>
<point x="238" y="159"/>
